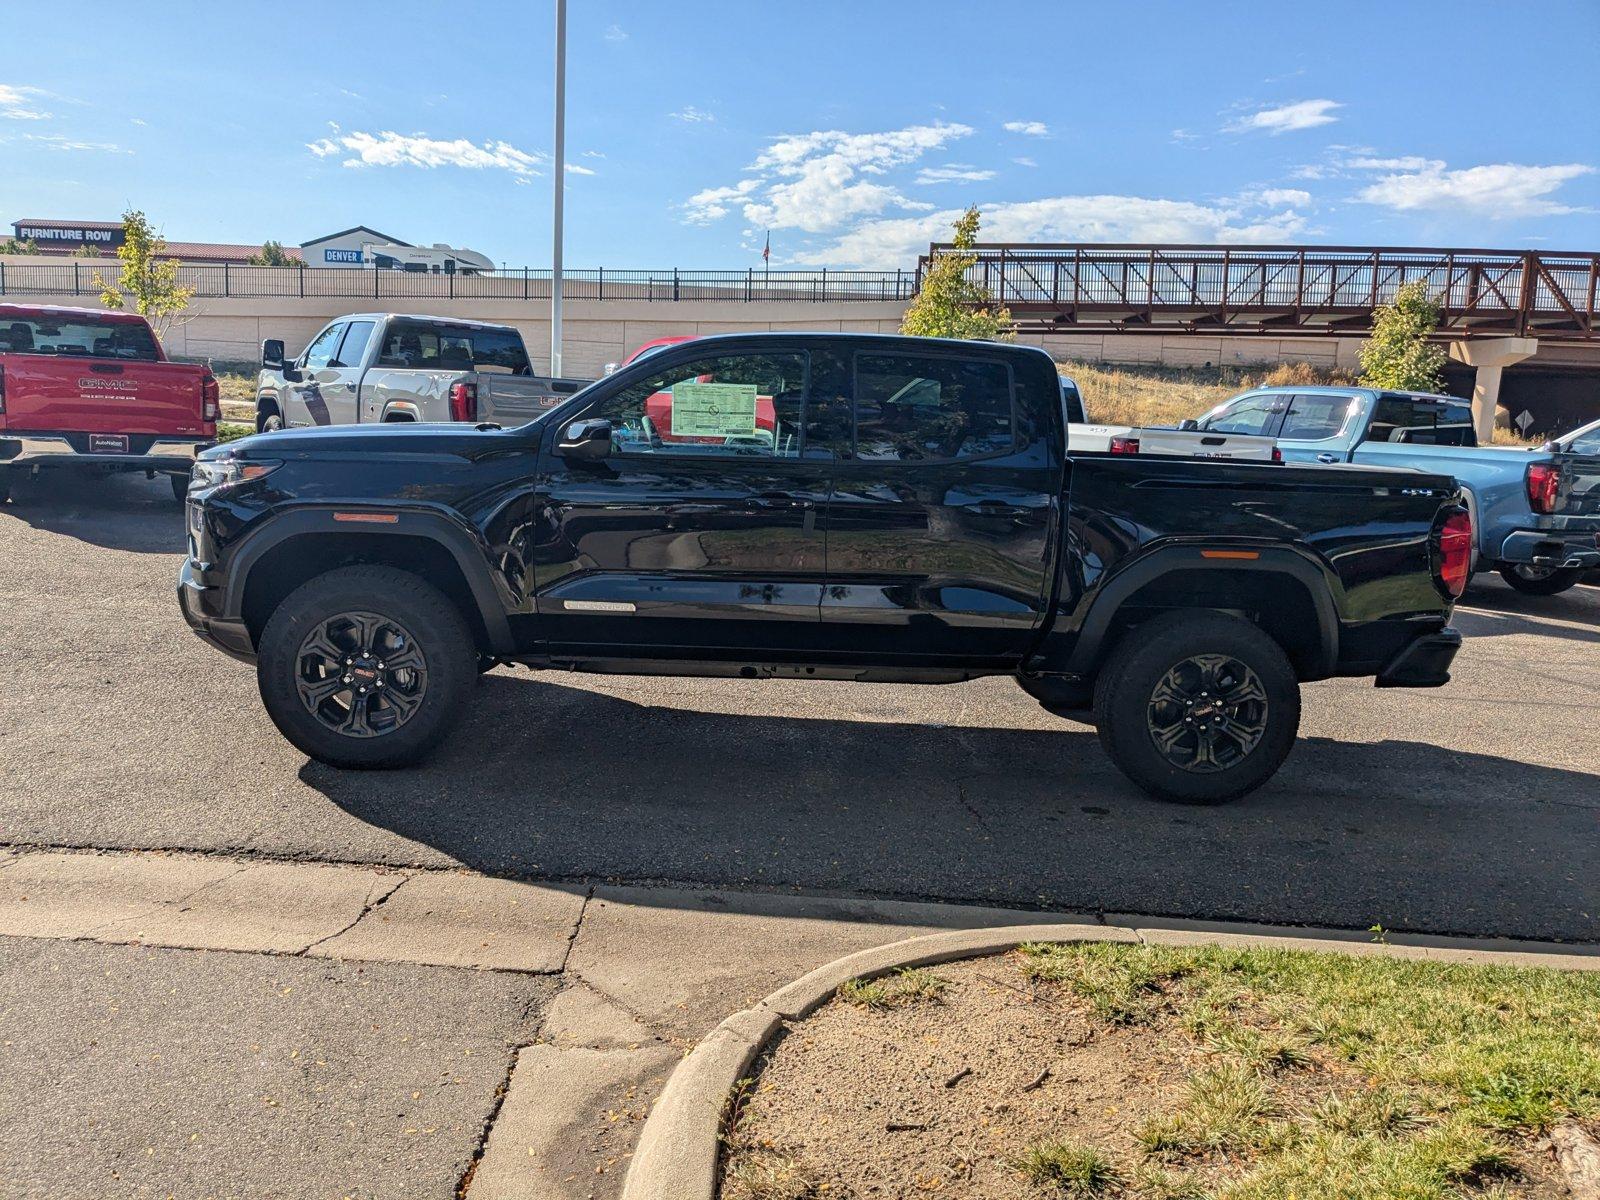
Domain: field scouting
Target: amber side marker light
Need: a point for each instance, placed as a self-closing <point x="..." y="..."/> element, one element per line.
<point x="368" y="518"/>
<point x="1230" y="554"/>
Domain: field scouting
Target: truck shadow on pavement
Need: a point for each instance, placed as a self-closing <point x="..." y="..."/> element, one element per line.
<point x="118" y="512"/>
<point x="563" y="783"/>
<point x="1495" y="610"/>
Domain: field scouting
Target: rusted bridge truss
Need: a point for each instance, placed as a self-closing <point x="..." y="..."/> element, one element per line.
<point x="1284" y="290"/>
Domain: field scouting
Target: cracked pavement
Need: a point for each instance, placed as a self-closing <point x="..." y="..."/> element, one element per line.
<point x="691" y="845"/>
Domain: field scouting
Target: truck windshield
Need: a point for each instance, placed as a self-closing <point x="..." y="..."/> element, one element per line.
<point x="81" y="337"/>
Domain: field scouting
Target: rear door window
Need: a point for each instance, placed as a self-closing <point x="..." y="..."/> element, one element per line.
<point x="1314" y="417"/>
<point x="911" y="408"/>
<point x="1422" y="421"/>
<point x="1255" y="415"/>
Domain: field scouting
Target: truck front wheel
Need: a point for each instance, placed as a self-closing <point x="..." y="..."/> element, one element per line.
<point x="366" y="666"/>
<point x="1197" y="708"/>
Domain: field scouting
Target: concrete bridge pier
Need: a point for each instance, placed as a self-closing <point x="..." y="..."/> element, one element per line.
<point x="1490" y="357"/>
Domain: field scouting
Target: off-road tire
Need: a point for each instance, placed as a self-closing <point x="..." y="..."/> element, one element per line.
<point x="432" y="622"/>
<point x="1126" y="705"/>
<point x="268" y="418"/>
<point x="1557" y="581"/>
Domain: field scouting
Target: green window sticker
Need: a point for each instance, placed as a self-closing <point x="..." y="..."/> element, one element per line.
<point x="714" y="410"/>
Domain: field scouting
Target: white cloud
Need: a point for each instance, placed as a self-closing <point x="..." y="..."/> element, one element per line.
<point x="390" y="149"/>
<point x="693" y="115"/>
<point x="1408" y="162"/>
<point x="1030" y="128"/>
<point x="1494" y="190"/>
<point x="593" y="154"/>
<point x="892" y="242"/>
<point x="1184" y="135"/>
<point x="1024" y="162"/>
<point x="17" y="103"/>
<point x="615" y="33"/>
<point x="1276" y="197"/>
<point x="953" y="173"/>
<point x="1286" y="118"/>
<point x="577" y="169"/>
<point x="138" y="121"/>
<point x="814" y="181"/>
<point x="57" y="142"/>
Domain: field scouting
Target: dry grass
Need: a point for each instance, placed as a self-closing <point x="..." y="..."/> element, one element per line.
<point x="905" y="986"/>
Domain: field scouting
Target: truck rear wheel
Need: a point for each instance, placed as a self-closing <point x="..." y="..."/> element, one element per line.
<point x="365" y="667"/>
<point x="1198" y="708"/>
<point x="1539" y="581"/>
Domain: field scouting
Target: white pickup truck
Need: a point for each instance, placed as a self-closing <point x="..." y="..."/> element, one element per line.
<point x="376" y="367"/>
<point x="1085" y="438"/>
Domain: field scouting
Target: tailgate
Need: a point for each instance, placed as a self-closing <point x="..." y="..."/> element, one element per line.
<point x="1578" y="501"/>
<point x="509" y="399"/>
<point x="1203" y="443"/>
<point x="67" y="395"/>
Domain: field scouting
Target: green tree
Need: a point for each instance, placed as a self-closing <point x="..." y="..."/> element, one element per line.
<point x="148" y="279"/>
<point x="952" y="306"/>
<point x="19" y="246"/>
<point x="87" y="250"/>
<point x="1398" y="354"/>
<point x="272" y="254"/>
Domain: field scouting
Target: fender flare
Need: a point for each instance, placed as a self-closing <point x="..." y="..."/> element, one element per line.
<point x="1319" y="581"/>
<point x="460" y="541"/>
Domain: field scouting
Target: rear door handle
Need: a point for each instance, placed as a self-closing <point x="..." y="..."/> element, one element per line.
<point x="997" y="508"/>
<point x="1325" y="457"/>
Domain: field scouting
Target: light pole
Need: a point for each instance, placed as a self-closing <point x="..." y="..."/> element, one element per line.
<point x="560" y="171"/>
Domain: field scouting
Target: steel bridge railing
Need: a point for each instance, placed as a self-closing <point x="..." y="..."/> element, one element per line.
<point x="76" y="277"/>
<point x="1269" y="288"/>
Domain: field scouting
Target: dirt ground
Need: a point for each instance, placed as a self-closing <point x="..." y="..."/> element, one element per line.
<point x="947" y="1094"/>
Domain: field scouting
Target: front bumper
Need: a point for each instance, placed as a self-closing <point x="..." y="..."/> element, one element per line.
<point x="1552" y="548"/>
<point x="1424" y="663"/>
<point x="150" y="452"/>
<point x="202" y="609"/>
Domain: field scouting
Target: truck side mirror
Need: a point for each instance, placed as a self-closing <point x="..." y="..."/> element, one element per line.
<point x="272" y="354"/>
<point x="586" y="441"/>
<point x="1188" y="423"/>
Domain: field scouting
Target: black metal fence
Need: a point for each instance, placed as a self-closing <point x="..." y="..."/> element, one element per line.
<point x="77" y="277"/>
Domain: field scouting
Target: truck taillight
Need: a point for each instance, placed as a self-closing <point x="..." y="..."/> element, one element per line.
<point x="210" y="398"/>
<point x="1124" y="445"/>
<point x="1277" y="454"/>
<point x="463" y="402"/>
<point x="1544" y="481"/>
<point x="1455" y="553"/>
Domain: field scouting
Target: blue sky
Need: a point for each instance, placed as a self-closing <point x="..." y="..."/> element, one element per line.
<point x="851" y="130"/>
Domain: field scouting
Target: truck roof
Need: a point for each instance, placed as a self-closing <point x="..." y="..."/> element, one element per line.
<point x="1337" y="390"/>
<point x="67" y="311"/>
<point x="394" y="316"/>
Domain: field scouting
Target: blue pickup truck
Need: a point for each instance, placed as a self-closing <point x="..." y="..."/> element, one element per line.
<point x="1535" y="513"/>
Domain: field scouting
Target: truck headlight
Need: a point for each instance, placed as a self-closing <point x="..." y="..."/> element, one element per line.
<point x="211" y="474"/>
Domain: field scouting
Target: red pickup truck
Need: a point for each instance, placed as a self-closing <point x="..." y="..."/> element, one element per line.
<point x="85" y="388"/>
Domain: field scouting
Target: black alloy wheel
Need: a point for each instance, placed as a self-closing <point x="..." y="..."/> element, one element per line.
<point x="361" y="674"/>
<point x="1208" y="713"/>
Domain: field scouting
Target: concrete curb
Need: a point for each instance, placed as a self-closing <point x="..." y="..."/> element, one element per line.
<point x="678" y="1150"/>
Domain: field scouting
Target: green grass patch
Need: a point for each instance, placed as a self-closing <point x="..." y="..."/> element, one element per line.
<point x="1336" y="1075"/>
<point x="232" y="431"/>
<point x="894" y="990"/>
<point x="1064" y="1169"/>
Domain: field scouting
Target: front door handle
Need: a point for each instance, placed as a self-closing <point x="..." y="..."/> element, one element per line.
<point x="1325" y="457"/>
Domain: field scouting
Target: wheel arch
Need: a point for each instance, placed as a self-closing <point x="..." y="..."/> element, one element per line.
<point x="1287" y="594"/>
<point x="299" y="546"/>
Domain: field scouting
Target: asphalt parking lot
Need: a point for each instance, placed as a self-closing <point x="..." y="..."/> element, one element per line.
<point x="1474" y="809"/>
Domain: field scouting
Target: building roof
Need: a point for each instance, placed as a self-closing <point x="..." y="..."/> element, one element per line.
<point x="187" y="251"/>
<point x="111" y="226"/>
<point x="328" y="237"/>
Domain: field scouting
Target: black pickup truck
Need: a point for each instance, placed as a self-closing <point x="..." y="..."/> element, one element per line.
<point x="818" y="506"/>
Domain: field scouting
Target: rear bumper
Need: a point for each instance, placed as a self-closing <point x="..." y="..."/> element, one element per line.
<point x="1552" y="548"/>
<point x="202" y="609"/>
<point x="156" y="452"/>
<point x="1424" y="663"/>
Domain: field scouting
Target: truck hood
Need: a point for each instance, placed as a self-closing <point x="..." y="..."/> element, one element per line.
<point x="443" y="438"/>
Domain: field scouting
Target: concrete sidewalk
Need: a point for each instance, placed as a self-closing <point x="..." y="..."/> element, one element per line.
<point x="198" y="1024"/>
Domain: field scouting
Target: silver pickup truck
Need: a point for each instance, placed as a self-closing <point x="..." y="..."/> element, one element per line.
<point x="374" y="367"/>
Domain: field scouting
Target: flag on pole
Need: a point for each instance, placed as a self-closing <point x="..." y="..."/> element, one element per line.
<point x="766" y="251"/>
